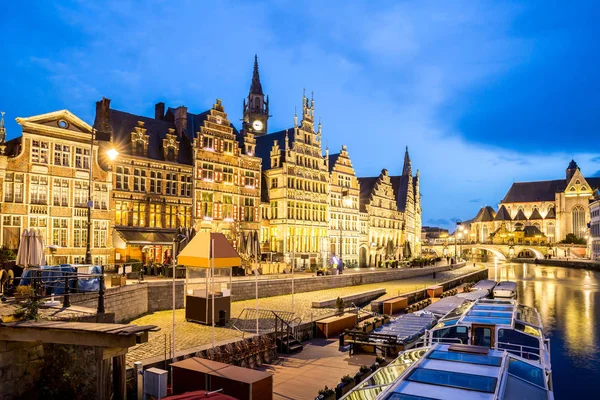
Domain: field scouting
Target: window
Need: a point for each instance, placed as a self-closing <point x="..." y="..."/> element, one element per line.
<point x="208" y="172"/>
<point x="62" y="155"/>
<point x="80" y="194"/>
<point x="82" y="158"/>
<point x="274" y="210"/>
<point x="40" y="223"/>
<point x="171" y="185"/>
<point x="138" y="148"/>
<point x="207" y="205"/>
<point x="139" y="180"/>
<point x="250" y="179"/>
<point x="155" y="221"/>
<point x="39" y="189"/>
<point x="228" y="147"/>
<point x="248" y="209"/>
<point x="122" y="178"/>
<point x="185" y="216"/>
<point x="290" y="210"/>
<point x="13" y="187"/>
<point x="100" y="232"/>
<point x="519" y="343"/>
<point x="228" y="207"/>
<point x="79" y="233"/>
<point x="60" y="192"/>
<point x="14" y="220"/>
<point x="579" y="225"/>
<point x="155" y="182"/>
<point x="170" y="216"/>
<point x="139" y="214"/>
<point x="170" y="153"/>
<point x="60" y="227"/>
<point x="228" y="175"/>
<point x="186" y="186"/>
<point x="39" y="152"/>
<point x="273" y="183"/>
<point x="121" y="213"/>
<point x="208" y="142"/>
<point x="479" y="383"/>
<point x="100" y="196"/>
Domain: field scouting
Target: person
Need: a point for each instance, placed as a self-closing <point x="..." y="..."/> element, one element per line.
<point x="340" y="266"/>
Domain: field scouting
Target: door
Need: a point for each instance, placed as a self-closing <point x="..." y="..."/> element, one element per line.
<point x="483" y="335"/>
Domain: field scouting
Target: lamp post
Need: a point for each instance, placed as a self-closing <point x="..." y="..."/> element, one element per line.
<point x="112" y="155"/>
<point x="346" y="202"/>
<point x="457" y="234"/>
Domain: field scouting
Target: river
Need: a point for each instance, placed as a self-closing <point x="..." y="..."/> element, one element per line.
<point x="569" y="303"/>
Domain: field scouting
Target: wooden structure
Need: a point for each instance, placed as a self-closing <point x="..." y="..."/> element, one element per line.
<point x="435" y="291"/>
<point x="370" y="342"/>
<point x="201" y="374"/>
<point x="396" y="304"/>
<point x="207" y="256"/>
<point x="111" y="342"/>
<point x="335" y="325"/>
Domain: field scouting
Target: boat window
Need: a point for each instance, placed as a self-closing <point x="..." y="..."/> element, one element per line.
<point x="451" y="334"/>
<point x="482" y="336"/>
<point x="365" y="394"/>
<point x="527" y="329"/>
<point x="519" y="344"/>
<point x="492" y="301"/>
<point x="491" y="308"/>
<point x="489" y="314"/>
<point x="487" y="320"/>
<point x="525" y="371"/>
<point x="466" y="358"/>
<point x="403" y="396"/>
<point x="486" y="384"/>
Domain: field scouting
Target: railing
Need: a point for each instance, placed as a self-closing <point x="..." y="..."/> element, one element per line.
<point x="48" y="283"/>
<point x="526" y="352"/>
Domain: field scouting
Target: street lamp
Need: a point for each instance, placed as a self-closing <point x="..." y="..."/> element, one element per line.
<point x="457" y="235"/>
<point x="112" y="155"/>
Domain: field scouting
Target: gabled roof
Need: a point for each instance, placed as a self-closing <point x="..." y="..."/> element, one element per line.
<point x="400" y="186"/>
<point x="535" y="215"/>
<point x="333" y="160"/>
<point x="264" y="143"/>
<point x="551" y="213"/>
<point x="531" y="231"/>
<point x="521" y="192"/>
<point x="520" y="216"/>
<point x="366" y="188"/>
<point x="485" y="214"/>
<point x="502" y="214"/>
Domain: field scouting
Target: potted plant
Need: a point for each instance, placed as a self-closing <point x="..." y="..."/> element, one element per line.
<point x="362" y="373"/>
<point x="326" y="394"/>
<point x="386" y="319"/>
<point x="346" y="384"/>
<point x="23" y="292"/>
<point x="367" y="326"/>
<point x="374" y="366"/>
<point x="381" y="361"/>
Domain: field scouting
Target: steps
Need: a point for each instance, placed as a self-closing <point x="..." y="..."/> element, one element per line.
<point x="288" y="344"/>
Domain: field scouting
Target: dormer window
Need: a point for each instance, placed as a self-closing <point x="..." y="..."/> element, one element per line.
<point x="139" y="140"/>
<point x="170" y="146"/>
<point x="208" y="143"/>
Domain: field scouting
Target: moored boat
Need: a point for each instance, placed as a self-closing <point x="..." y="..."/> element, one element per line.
<point x="505" y="290"/>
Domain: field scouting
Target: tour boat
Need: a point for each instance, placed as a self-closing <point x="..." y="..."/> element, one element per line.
<point x="456" y="372"/>
<point x="505" y="290"/>
<point x="485" y="284"/>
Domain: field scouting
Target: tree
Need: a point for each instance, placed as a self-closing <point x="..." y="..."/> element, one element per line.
<point x="572" y="239"/>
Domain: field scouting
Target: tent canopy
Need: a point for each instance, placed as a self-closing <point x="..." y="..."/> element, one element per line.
<point x="198" y="252"/>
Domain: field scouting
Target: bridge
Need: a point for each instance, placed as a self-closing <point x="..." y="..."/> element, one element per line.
<point x="505" y="251"/>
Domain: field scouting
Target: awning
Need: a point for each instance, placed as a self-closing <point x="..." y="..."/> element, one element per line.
<point x="198" y="252"/>
<point x="144" y="238"/>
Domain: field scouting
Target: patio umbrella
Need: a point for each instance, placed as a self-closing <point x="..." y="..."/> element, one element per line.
<point x="390" y="248"/>
<point x="242" y="246"/>
<point x="23" y="252"/>
<point x="36" y="249"/>
<point x="256" y="246"/>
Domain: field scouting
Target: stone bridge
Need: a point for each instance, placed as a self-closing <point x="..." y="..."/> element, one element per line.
<point x="505" y="251"/>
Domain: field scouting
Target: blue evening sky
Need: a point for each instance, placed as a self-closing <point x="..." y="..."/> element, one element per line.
<point x="483" y="93"/>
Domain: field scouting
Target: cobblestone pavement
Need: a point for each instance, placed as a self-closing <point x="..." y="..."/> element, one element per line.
<point x="190" y="335"/>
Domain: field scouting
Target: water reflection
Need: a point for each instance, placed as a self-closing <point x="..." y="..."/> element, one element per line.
<point x="567" y="300"/>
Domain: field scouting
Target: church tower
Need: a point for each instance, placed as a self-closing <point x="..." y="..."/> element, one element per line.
<point x="571" y="169"/>
<point x="256" y="107"/>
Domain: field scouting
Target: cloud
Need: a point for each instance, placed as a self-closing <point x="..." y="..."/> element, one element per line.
<point x="596" y="174"/>
<point x="475" y="201"/>
<point x="437" y="222"/>
<point x="595" y="159"/>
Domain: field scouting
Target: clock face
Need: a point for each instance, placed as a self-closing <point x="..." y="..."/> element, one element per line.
<point x="219" y="120"/>
<point x="257" y="125"/>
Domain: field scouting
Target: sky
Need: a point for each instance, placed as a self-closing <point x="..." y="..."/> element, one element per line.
<point x="483" y="93"/>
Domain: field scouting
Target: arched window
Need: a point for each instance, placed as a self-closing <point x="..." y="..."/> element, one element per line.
<point x="484" y="234"/>
<point x="578" y="214"/>
<point x="577" y="182"/>
<point x="583" y="188"/>
<point x="550" y="231"/>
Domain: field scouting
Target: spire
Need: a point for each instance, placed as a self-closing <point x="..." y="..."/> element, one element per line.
<point x="571" y="169"/>
<point x="407" y="169"/>
<point x="2" y="128"/>
<point x="295" y="117"/>
<point x="256" y="87"/>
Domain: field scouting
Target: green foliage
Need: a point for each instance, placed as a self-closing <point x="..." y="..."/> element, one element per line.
<point x="379" y="360"/>
<point x="572" y="239"/>
<point x="346" y="379"/>
<point x="69" y="373"/>
<point x="326" y="391"/>
<point x="29" y="311"/>
<point x="339" y="304"/>
<point x="364" y="369"/>
<point x="6" y="254"/>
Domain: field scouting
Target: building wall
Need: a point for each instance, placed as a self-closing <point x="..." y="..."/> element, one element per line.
<point x="595" y="230"/>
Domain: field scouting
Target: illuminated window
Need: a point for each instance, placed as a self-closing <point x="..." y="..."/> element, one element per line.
<point x="170" y="216"/>
<point x="207" y="204"/>
<point x="208" y="172"/>
<point x="38" y="189"/>
<point x="60" y="192"/>
<point x="100" y="233"/>
<point x="207" y="142"/>
<point x="79" y="233"/>
<point x="578" y="221"/>
<point x="154" y="219"/>
<point x="39" y="152"/>
<point x="100" y="196"/>
<point x="228" y="147"/>
<point x="139" y="180"/>
<point x="40" y="223"/>
<point x="122" y="178"/>
<point x="228" y="207"/>
<point x="13" y="187"/>
<point x="80" y="193"/>
<point x="60" y="227"/>
<point x="248" y="209"/>
<point x="249" y="178"/>
<point x="228" y="175"/>
<point x="121" y="213"/>
<point x="82" y="158"/>
<point x="62" y="155"/>
<point x="139" y="214"/>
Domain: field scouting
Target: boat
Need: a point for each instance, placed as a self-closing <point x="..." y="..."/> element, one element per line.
<point x="455" y="372"/>
<point x="485" y="284"/>
<point x="505" y="290"/>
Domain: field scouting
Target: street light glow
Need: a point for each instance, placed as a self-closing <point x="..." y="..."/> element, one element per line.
<point x="112" y="154"/>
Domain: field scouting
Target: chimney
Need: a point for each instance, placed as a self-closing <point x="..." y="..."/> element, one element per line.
<point x="102" y="121"/>
<point x="159" y="111"/>
<point x="180" y="119"/>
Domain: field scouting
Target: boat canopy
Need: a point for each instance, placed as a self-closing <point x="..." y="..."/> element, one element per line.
<point x="408" y="327"/>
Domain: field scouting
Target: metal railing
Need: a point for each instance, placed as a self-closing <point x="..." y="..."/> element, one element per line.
<point x="49" y="283"/>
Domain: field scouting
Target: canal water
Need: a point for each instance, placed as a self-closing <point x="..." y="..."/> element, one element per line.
<point x="569" y="303"/>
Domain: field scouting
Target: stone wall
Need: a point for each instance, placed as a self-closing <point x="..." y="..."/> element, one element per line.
<point x="568" y="263"/>
<point x="246" y="290"/>
<point x="160" y="295"/>
<point x="21" y="367"/>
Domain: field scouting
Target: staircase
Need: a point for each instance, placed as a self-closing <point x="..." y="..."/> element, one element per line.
<point x="281" y="323"/>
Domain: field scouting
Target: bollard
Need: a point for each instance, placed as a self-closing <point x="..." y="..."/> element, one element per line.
<point x="139" y="379"/>
<point x="66" y="297"/>
<point x="101" y="292"/>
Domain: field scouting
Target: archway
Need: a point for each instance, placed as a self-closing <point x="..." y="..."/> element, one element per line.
<point x="363" y="257"/>
<point x="495" y="252"/>
<point x="536" y="253"/>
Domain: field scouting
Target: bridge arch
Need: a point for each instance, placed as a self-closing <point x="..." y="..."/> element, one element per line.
<point x="495" y="252"/>
<point x="536" y="252"/>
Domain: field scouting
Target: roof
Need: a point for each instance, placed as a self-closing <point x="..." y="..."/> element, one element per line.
<point x="208" y="248"/>
<point x="146" y="237"/>
<point x="522" y="192"/>
<point x="408" y="327"/>
<point x="366" y="188"/>
<point x="551" y="214"/>
<point x="520" y="216"/>
<point x="400" y="187"/>
<point x="535" y="214"/>
<point x="502" y="214"/>
<point x="255" y="86"/>
<point x="264" y="144"/>
<point x="531" y="231"/>
<point x="333" y="160"/>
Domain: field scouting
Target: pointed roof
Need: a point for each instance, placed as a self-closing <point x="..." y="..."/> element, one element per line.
<point x="573" y="165"/>
<point x="531" y="231"/>
<point x="520" y="216"/>
<point x="551" y="214"/>
<point x="535" y="214"/>
<point x="2" y="128"/>
<point x="502" y="214"/>
<point x="256" y="87"/>
<point x="407" y="169"/>
<point x="485" y="214"/>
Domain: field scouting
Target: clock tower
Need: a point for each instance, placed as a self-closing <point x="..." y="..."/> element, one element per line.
<point x="256" y="107"/>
